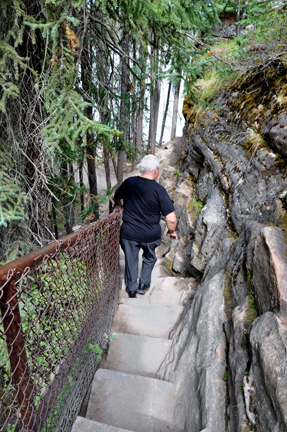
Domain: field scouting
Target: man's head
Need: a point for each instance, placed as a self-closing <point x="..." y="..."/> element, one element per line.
<point x="148" y="164"/>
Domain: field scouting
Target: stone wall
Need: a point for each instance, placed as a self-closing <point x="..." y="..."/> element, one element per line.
<point x="229" y="355"/>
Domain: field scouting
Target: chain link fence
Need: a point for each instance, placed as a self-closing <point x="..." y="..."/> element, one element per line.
<point x="57" y="306"/>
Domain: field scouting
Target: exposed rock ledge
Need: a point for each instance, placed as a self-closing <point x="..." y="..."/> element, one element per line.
<point x="229" y="356"/>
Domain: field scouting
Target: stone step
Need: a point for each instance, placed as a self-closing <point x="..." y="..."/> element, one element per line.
<point x="156" y="283"/>
<point x="136" y="403"/>
<point x="137" y="355"/>
<point x="165" y="291"/>
<point x="147" y="320"/>
<point x="158" y="271"/>
<point x="82" y="424"/>
<point x="168" y="293"/>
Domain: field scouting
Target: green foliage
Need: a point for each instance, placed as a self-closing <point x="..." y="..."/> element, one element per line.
<point x="63" y="125"/>
<point x="251" y="313"/>
<point x="96" y="350"/>
<point x="194" y="207"/>
<point x="12" y="197"/>
<point x="10" y="57"/>
<point x="109" y="192"/>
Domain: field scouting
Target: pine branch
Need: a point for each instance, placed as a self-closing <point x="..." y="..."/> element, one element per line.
<point x="116" y="47"/>
<point x="208" y="47"/>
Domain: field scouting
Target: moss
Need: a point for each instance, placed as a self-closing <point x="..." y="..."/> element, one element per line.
<point x="191" y="178"/>
<point x="214" y="117"/>
<point x="254" y="89"/>
<point x="284" y="228"/>
<point x="194" y="207"/>
<point x="253" y="144"/>
<point x="228" y="304"/>
<point x="225" y="375"/>
<point x="281" y="161"/>
<point x="168" y="267"/>
<point x="251" y="313"/>
<point x="184" y="239"/>
<point x="284" y="90"/>
<point x="199" y="115"/>
<point x="233" y="234"/>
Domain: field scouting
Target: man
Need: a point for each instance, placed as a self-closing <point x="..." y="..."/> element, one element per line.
<point x="144" y="200"/>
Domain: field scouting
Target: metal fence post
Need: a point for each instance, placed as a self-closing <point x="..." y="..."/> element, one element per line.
<point x="16" y="351"/>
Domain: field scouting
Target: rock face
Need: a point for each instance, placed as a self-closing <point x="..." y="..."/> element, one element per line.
<point x="211" y="225"/>
<point x="269" y="271"/>
<point x="228" y="358"/>
<point x="237" y="362"/>
<point x="268" y="342"/>
<point x="199" y="354"/>
<point x="277" y="131"/>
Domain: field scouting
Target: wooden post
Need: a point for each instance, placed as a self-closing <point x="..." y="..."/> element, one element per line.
<point x="16" y="351"/>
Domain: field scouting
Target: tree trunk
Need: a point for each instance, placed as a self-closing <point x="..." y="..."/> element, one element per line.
<point x="31" y="124"/>
<point x="175" y="110"/>
<point x="157" y="91"/>
<point x="140" y="122"/>
<point x="103" y="99"/>
<point x="54" y="218"/>
<point x="133" y="128"/>
<point x="133" y="109"/>
<point x="107" y="167"/>
<point x="81" y="185"/>
<point x="165" y="114"/>
<point x="237" y="19"/>
<point x="66" y="200"/>
<point x="152" y="130"/>
<point x="72" y="203"/>
<point x="114" y="163"/>
<point x="141" y="110"/>
<point x="156" y="106"/>
<point x="123" y="111"/>
<point x="92" y="177"/>
<point x="86" y="71"/>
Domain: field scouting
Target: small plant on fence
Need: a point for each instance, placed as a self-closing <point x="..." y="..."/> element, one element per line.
<point x="97" y="349"/>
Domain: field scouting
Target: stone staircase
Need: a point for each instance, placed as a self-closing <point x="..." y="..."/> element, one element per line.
<point x="126" y="394"/>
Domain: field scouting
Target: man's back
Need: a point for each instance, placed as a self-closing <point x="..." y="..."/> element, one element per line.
<point x="144" y="201"/>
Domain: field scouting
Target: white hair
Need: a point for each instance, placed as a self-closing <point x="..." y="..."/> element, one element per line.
<point x="148" y="164"/>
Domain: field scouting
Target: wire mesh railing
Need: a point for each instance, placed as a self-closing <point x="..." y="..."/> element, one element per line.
<point x="57" y="304"/>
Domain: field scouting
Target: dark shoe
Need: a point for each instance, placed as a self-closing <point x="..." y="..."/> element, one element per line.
<point x="132" y="294"/>
<point x="142" y="289"/>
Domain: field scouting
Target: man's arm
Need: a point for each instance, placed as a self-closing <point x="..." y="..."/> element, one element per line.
<point x="117" y="197"/>
<point x="171" y="225"/>
<point x="117" y="202"/>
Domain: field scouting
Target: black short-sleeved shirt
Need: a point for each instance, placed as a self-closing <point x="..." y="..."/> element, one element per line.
<point x="144" y="201"/>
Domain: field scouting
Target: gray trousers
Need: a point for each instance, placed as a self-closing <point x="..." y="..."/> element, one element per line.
<point x="131" y="249"/>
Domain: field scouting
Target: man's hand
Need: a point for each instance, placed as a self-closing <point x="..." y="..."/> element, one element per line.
<point x="117" y="203"/>
<point x="171" y="224"/>
<point x="172" y="235"/>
